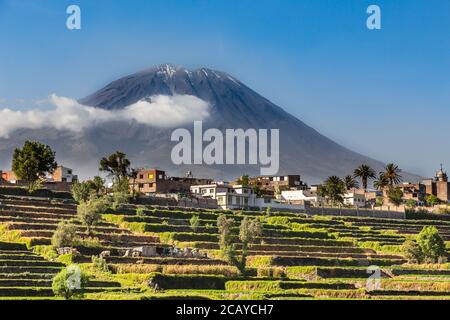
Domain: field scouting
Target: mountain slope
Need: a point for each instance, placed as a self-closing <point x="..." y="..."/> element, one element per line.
<point x="303" y="150"/>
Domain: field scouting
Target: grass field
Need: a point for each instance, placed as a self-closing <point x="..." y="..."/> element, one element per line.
<point x="298" y="256"/>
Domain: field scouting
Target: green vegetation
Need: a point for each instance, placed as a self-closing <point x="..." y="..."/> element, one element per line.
<point x="32" y="162"/>
<point x="333" y="190"/>
<point x="90" y="212"/>
<point x="395" y="196"/>
<point x="283" y="255"/>
<point x="69" y="282"/>
<point x="432" y="200"/>
<point x="65" y="235"/>
<point x="429" y="247"/>
<point x="365" y="173"/>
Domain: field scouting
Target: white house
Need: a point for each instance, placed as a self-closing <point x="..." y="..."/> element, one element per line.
<point x="295" y="196"/>
<point x="355" y="199"/>
<point x="228" y="197"/>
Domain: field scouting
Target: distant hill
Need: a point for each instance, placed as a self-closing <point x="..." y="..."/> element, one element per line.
<point x="303" y="150"/>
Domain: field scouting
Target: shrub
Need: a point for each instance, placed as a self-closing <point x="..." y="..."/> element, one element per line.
<point x="140" y="212"/>
<point x="69" y="282"/>
<point x="226" y="245"/>
<point x="431" y="244"/>
<point x="195" y="223"/>
<point x="81" y="191"/>
<point x="432" y="200"/>
<point x="412" y="252"/>
<point x="100" y="263"/>
<point x="64" y="235"/>
<point x="395" y="196"/>
<point x="90" y="212"/>
<point x="121" y="193"/>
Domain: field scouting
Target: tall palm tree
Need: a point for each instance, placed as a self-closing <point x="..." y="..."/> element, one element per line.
<point x="365" y="173"/>
<point x="392" y="173"/>
<point x="334" y="189"/>
<point x="381" y="182"/>
<point x="350" y="182"/>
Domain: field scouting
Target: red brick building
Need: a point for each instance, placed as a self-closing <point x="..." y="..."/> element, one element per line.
<point x="156" y="181"/>
<point x="439" y="186"/>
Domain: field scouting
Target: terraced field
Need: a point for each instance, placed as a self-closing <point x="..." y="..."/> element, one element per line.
<point x="298" y="256"/>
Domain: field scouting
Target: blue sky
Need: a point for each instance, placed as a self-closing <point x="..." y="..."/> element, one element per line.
<point x="383" y="93"/>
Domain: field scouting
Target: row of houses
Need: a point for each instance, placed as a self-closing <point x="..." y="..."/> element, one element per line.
<point x="280" y="192"/>
<point x="60" y="180"/>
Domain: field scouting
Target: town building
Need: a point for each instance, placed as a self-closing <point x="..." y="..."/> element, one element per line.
<point x="276" y="184"/>
<point x="151" y="181"/>
<point x="62" y="174"/>
<point x="413" y="191"/>
<point x="60" y="180"/>
<point x="438" y="186"/>
<point x="9" y="176"/>
<point x="309" y="196"/>
<point x="355" y="199"/>
<point x="227" y="196"/>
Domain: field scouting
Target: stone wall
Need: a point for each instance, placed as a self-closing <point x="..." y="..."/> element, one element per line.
<point x="356" y="212"/>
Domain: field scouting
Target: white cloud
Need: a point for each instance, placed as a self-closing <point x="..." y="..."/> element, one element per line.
<point x="68" y="114"/>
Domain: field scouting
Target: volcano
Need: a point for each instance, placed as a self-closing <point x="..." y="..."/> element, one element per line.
<point x="232" y="104"/>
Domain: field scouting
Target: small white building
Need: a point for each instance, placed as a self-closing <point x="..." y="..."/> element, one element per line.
<point x="228" y="197"/>
<point x="295" y="196"/>
<point x="63" y="174"/>
<point x="264" y="203"/>
<point x="355" y="199"/>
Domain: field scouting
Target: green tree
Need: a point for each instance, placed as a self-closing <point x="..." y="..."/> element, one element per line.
<point x="244" y="180"/>
<point x="381" y="182"/>
<point x="350" y="182"/>
<point x="410" y="203"/>
<point x="379" y="201"/>
<point x="432" y="200"/>
<point x="121" y="192"/>
<point x="258" y="191"/>
<point x="33" y="162"/>
<point x="64" y="235"/>
<point x="412" y="251"/>
<point x="431" y="244"/>
<point x="81" y="191"/>
<point x="395" y="196"/>
<point x="226" y="245"/>
<point x="97" y="185"/>
<point x="333" y="189"/>
<point x="248" y="231"/>
<point x="116" y="164"/>
<point x="90" y="212"/>
<point x="392" y="174"/>
<point x="69" y="282"/>
<point x="364" y="172"/>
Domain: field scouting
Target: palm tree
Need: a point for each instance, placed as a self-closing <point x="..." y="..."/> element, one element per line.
<point x="365" y="173"/>
<point x="350" y="182"/>
<point x="381" y="182"/>
<point x="392" y="173"/>
<point x="334" y="189"/>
